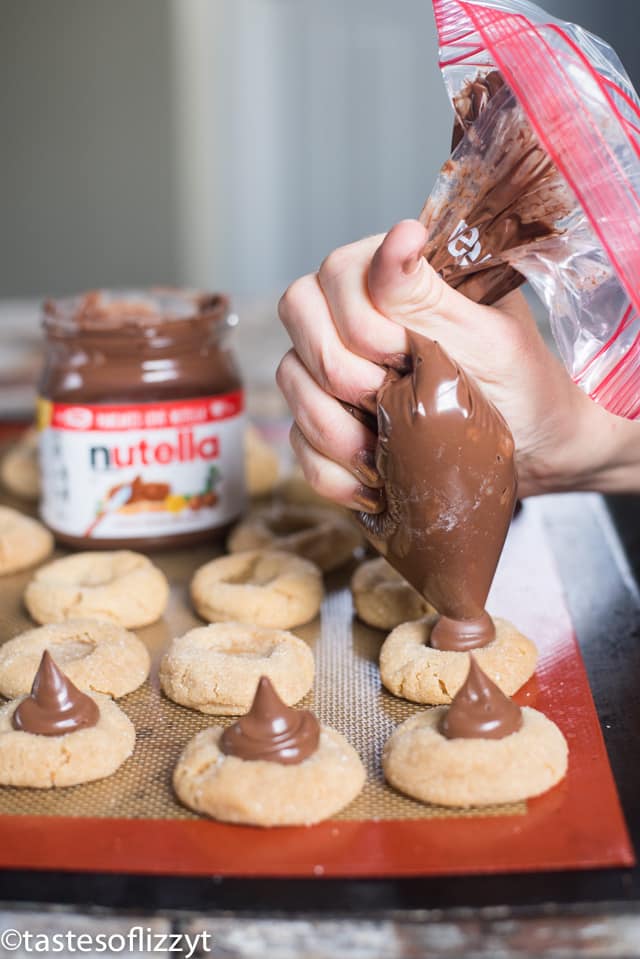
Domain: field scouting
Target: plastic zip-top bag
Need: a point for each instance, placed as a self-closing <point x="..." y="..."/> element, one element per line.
<point x="544" y="183"/>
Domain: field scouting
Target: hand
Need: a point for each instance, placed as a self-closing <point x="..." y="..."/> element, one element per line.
<point x="348" y="324"/>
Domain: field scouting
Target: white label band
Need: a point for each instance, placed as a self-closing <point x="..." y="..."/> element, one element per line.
<point x="142" y="471"/>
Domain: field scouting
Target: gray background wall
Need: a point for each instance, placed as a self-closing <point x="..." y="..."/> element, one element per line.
<point x="226" y="143"/>
<point x="87" y="172"/>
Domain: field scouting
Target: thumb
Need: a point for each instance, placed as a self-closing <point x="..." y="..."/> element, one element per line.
<point x="404" y="287"/>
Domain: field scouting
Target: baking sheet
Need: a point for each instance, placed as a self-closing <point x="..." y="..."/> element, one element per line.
<point x="132" y="822"/>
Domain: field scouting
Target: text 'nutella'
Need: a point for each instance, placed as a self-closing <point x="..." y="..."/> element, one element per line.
<point x="141" y="419"/>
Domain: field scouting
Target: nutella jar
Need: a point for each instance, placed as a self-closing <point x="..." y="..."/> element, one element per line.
<point x="140" y="417"/>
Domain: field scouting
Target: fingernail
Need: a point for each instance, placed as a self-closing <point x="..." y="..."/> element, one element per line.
<point x="369" y="500"/>
<point x="369" y="401"/>
<point x="411" y="264"/>
<point x="365" y="465"/>
<point x="370" y="420"/>
<point x="399" y="361"/>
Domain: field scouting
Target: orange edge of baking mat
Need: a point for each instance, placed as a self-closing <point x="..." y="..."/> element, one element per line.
<point x="577" y="825"/>
<point x="555" y="834"/>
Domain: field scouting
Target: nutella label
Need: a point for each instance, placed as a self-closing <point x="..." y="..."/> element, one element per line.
<point x="144" y="470"/>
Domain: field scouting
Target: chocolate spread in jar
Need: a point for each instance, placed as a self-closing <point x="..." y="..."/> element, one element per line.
<point x="480" y="710"/>
<point x="55" y="705"/>
<point x="445" y="455"/>
<point x="141" y="420"/>
<point x="272" y="731"/>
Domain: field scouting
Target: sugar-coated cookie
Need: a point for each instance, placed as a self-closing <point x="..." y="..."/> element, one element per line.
<point x="383" y="598"/>
<point x="20" y="467"/>
<point x="263" y="793"/>
<point x="421" y="762"/>
<point x="94" y="654"/>
<point x="44" y="762"/>
<point x="263" y="587"/>
<point x="261" y="463"/>
<point x="216" y="668"/>
<point x="120" y="586"/>
<point x="24" y="541"/>
<point x="324" y="536"/>
<point x="412" y="669"/>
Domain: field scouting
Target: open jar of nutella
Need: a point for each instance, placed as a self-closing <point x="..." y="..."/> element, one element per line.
<point x="140" y="417"/>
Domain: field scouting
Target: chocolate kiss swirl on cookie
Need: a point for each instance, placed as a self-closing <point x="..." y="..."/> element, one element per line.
<point x="445" y="455"/>
<point x="272" y="730"/>
<point x="55" y="706"/>
<point x="480" y="710"/>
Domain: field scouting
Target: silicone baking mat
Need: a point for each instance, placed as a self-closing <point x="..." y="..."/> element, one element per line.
<point x="131" y="821"/>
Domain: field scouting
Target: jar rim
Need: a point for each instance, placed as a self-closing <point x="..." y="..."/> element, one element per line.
<point x="141" y="312"/>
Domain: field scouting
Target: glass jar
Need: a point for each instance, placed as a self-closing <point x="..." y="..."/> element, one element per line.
<point x="141" y="420"/>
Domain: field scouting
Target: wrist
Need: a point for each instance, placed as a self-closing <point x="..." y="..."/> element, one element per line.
<point x="591" y="450"/>
<point x="616" y="458"/>
<point x="606" y="449"/>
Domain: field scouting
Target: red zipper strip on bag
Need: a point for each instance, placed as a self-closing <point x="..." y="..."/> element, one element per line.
<point x="618" y="391"/>
<point x="627" y="318"/>
<point x="519" y="50"/>
<point x="604" y="88"/>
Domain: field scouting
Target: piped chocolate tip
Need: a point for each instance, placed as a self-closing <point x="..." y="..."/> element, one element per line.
<point x="272" y="730"/>
<point x="480" y="710"/>
<point x="461" y="635"/>
<point x="55" y="706"/>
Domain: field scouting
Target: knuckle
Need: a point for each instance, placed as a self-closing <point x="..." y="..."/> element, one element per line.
<point x="316" y="476"/>
<point x="325" y="434"/>
<point x="283" y="305"/>
<point x="353" y="334"/>
<point x="430" y="291"/>
<point x="308" y="462"/>
<point x="316" y="428"/>
<point x="313" y="475"/>
<point x="336" y="263"/>
<point x="292" y="300"/>
<point x="328" y="369"/>
<point x="283" y="372"/>
<point x="297" y="440"/>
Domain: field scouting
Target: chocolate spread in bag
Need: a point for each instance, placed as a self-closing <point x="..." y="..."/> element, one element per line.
<point x="497" y="192"/>
<point x="445" y="455"/>
<point x="444" y="452"/>
<point x="471" y="101"/>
